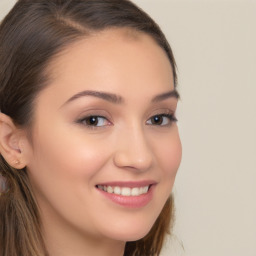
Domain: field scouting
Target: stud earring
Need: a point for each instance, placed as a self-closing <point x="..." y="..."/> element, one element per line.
<point x="16" y="162"/>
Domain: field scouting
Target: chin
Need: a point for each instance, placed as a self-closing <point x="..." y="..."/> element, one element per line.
<point x="133" y="232"/>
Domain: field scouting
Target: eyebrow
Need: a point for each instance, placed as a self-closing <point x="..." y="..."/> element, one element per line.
<point x="171" y="94"/>
<point x="116" y="99"/>
<point x="113" y="98"/>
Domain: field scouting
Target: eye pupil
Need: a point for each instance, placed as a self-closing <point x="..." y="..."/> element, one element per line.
<point x="157" y="120"/>
<point x="92" y="120"/>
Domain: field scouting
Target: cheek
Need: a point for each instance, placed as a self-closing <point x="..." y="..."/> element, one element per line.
<point x="65" y="162"/>
<point x="173" y="154"/>
<point x="63" y="172"/>
<point x="169" y="154"/>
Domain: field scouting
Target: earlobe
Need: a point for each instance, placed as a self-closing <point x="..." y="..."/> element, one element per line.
<point x="10" y="137"/>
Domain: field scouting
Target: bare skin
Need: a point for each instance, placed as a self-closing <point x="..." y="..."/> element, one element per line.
<point x="127" y="87"/>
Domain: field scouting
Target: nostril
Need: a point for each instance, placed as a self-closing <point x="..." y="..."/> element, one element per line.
<point x="133" y="159"/>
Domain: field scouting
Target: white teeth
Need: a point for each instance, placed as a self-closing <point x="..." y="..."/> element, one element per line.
<point x="125" y="191"/>
<point x="135" y="191"/>
<point x="110" y="189"/>
<point x="145" y="190"/>
<point x="117" y="190"/>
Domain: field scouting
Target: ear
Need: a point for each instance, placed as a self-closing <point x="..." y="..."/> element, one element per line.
<point x="11" y="142"/>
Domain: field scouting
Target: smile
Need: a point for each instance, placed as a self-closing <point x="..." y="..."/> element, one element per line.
<point x="124" y="191"/>
<point x="128" y="194"/>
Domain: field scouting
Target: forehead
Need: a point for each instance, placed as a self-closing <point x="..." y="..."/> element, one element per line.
<point x="115" y="60"/>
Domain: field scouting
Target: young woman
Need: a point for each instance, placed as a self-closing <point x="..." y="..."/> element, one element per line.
<point x="88" y="136"/>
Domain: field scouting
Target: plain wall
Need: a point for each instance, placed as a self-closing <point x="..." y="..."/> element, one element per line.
<point x="214" y="45"/>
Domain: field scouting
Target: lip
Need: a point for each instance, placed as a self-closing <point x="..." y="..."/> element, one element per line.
<point x="129" y="201"/>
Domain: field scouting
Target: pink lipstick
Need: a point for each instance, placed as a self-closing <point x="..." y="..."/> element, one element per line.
<point x="128" y="194"/>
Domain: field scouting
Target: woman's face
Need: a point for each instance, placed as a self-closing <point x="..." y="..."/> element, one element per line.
<point x="106" y="121"/>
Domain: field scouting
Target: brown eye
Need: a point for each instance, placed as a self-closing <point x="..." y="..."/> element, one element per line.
<point x="94" y="121"/>
<point x="157" y="120"/>
<point x="161" y="120"/>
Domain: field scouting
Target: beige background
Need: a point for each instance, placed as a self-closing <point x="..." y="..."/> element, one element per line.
<point x="214" y="43"/>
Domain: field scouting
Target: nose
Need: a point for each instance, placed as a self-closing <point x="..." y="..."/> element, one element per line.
<point x="133" y="150"/>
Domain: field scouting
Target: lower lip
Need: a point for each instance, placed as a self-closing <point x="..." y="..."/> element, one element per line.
<point x="130" y="201"/>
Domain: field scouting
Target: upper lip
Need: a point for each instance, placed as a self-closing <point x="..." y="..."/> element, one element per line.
<point x="130" y="184"/>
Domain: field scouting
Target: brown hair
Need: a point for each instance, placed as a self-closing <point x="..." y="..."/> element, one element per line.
<point x="31" y="35"/>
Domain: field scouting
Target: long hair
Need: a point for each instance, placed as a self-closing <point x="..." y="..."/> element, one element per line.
<point x="31" y="35"/>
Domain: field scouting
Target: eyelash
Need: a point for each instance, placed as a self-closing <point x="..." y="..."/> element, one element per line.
<point x="171" y="118"/>
<point x="94" y="118"/>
